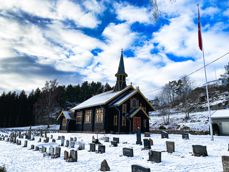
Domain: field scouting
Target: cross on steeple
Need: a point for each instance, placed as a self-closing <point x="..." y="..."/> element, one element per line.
<point x="120" y="75"/>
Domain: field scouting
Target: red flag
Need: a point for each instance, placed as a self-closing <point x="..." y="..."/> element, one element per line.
<point x="199" y="32"/>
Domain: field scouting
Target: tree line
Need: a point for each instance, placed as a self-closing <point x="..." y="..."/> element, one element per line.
<point x="41" y="106"/>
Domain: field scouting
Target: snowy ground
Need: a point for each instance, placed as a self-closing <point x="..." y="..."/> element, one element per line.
<point x="18" y="159"/>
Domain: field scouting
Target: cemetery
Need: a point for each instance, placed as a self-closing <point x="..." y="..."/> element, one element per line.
<point x="79" y="152"/>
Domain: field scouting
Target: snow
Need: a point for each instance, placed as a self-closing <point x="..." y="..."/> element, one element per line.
<point x="221" y="114"/>
<point x="38" y="127"/>
<point x="99" y="99"/>
<point x="17" y="159"/>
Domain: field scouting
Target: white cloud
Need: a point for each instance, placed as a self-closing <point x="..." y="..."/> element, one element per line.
<point x="132" y="14"/>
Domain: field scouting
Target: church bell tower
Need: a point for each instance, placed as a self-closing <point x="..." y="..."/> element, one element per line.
<point x="120" y="75"/>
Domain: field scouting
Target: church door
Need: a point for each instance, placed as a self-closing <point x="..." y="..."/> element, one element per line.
<point x="136" y="123"/>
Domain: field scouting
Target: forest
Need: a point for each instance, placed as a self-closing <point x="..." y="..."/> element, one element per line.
<point x="25" y="109"/>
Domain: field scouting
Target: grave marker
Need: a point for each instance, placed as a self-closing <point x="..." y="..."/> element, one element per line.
<point x="164" y="134"/>
<point x="185" y="136"/>
<point x="170" y="146"/>
<point x="25" y="143"/>
<point x="65" y="155"/>
<point x="73" y="156"/>
<point x="106" y="139"/>
<point x="199" y="150"/>
<point x="116" y="139"/>
<point x="155" y="156"/>
<point x="138" y="135"/>
<point x="128" y="152"/>
<point x="147" y="144"/>
<point x="138" y="168"/>
<point x="101" y="148"/>
<point x="92" y="147"/>
<point x="225" y="162"/>
<point x="146" y="134"/>
<point x="67" y="143"/>
<point x="104" y="166"/>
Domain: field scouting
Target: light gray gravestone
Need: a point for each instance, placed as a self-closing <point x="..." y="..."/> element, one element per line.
<point x="104" y="166"/>
<point x="67" y="143"/>
<point x="170" y="146"/>
<point x="73" y="156"/>
<point x="106" y="139"/>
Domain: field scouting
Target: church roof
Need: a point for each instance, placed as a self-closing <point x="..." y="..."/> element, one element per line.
<point x="126" y="97"/>
<point x="100" y="99"/>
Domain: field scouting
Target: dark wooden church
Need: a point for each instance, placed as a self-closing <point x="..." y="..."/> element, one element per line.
<point x="122" y="110"/>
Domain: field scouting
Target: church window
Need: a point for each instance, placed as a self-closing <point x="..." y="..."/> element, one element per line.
<point x="134" y="103"/>
<point x="99" y="115"/>
<point x="123" y="121"/>
<point x="79" y="117"/>
<point x="88" y="116"/>
<point x="124" y="108"/>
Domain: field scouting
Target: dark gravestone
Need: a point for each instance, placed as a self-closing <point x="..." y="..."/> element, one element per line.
<point x="146" y="134"/>
<point x="114" y="143"/>
<point x="155" y="156"/>
<point x="128" y="152"/>
<point x="32" y="147"/>
<point x="199" y="150"/>
<point x="185" y="136"/>
<point x="151" y="141"/>
<point x="57" y="152"/>
<point x="75" y="139"/>
<point x="53" y="140"/>
<point x="25" y="143"/>
<point x="164" y="134"/>
<point x="73" y="156"/>
<point x="92" y="147"/>
<point x="67" y="143"/>
<point x="39" y="140"/>
<point x="101" y="148"/>
<point x="81" y="146"/>
<point x="147" y="144"/>
<point x="59" y="137"/>
<point x="138" y="168"/>
<point x="116" y="139"/>
<point x="170" y="146"/>
<point x="65" y="155"/>
<point x="104" y="166"/>
<point x="138" y="135"/>
<point x="36" y="148"/>
<point x="51" y="137"/>
<point x="41" y="133"/>
<point x="106" y="139"/>
<point x="225" y="162"/>
<point x="71" y="138"/>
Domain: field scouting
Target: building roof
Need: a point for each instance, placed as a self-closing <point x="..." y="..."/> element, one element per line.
<point x="126" y="97"/>
<point x="220" y="114"/>
<point x="66" y="114"/>
<point x="100" y="99"/>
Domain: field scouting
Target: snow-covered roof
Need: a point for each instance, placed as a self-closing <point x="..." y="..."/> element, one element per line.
<point x="220" y="114"/>
<point x="100" y="99"/>
<point x="66" y="114"/>
<point x="126" y="97"/>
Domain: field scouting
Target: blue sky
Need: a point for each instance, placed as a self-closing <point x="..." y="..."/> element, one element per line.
<point x="78" y="40"/>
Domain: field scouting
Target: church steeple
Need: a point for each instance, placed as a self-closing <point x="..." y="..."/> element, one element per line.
<point x="120" y="75"/>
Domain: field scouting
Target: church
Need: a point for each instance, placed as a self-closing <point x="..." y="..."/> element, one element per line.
<point x="121" y="110"/>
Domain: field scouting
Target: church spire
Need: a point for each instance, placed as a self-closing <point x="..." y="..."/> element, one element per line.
<point x="120" y="75"/>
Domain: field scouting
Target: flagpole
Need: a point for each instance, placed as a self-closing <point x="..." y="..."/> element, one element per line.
<point x="205" y="73"/>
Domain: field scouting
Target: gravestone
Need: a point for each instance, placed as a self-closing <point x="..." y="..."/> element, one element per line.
<point x="225" y="162"/>
<point x="138" y="135"/>
<point x="164" y="134"/>
<point x="45" y="134"/>
<point x="59" y="137"/>
<point x="101" y="148"/>
<point x="67" y="143"/>
<point x="185" y="136"/>
<point x="57" y="152"/>
<point x="116" y="139"/>
<point x="75" y="139"/>
<point x="43" y="149"/>
<point x="138" y="168"/>
<point x="32" y="147"/>
<point x="51" y="151"/>
<point x="53" y="140"/>
<point x="128" y="152"/>
<point x="72" y="144"/>
<point x="104" y="166"/>
<point x="51" y="137"/>
<point x="146" y="134"/>
<point x="41" y="133"/>
<point x="73" y="156"/>
<point x="65" y="155"/>
<point x="114" y="143"/>
<point x="154" y="156"/>
<point x="62" y="142"/>
<point x="199" y="150"/>
<point x="151" y="141"/>
<point x="29" y="134"/>
<point x="71" y="139"/>
<point x="170" y="146"/>
<point x="81" y="146"/>
<point x="36" y="148"/>
<point x="39" y="140"/>
<point x="147" y="144"/>
<point x="25" y="143"/>
<point x="92" y="147"/>
<point x="106" y="139"/>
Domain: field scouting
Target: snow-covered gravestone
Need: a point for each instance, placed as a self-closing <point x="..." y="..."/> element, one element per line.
<point x="185" y="136"/>
<point x="116" y="139"/>
<point x="164" y="134"/>
<point x="72" y="144"/>
<point x="199" y="150"/>
<point x="225" y="162"/>
<point x="114" y="143"/>
<point x="81" y="145"/>
<point x="138" y="168"/>
<point x="147" y="144"/>
<point x="101" y="148"/>
<point x="170" y="146"/>
<point x="155" y="156"/>
<point x="128" y="152"/>
<point x="106" y="139"/>
<point x="73" y="156"/>
<point x="62" y="141"/>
